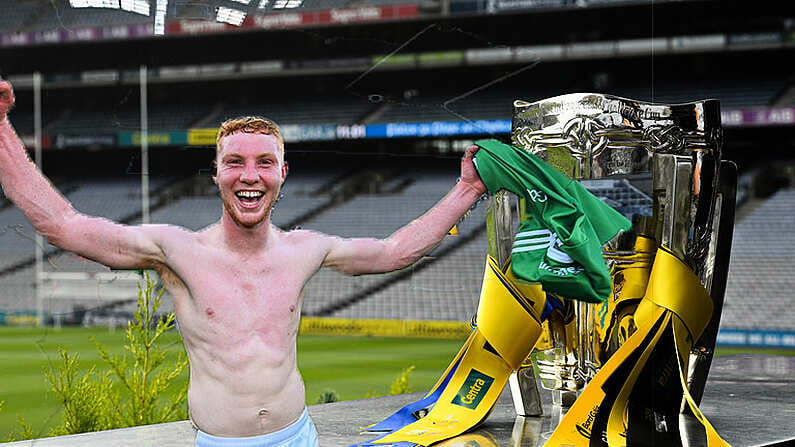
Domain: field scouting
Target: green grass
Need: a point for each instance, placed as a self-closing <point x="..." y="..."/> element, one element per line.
<point x="351" y="366"/>
<point x="722" y="350"/>
<point x="356" y="366"/>
<point x="24" y="355"/>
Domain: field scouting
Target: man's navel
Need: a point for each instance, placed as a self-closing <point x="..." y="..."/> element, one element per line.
<point x="263" y="417"/>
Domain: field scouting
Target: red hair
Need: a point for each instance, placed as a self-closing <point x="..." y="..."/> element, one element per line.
<point x="249" y="124"/>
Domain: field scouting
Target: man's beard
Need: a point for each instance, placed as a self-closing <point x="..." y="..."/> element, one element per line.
<point x="230" y="210"/>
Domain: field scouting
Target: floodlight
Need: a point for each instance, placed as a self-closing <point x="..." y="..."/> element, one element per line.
<point x="94" y="3"/>
<point x="230" y="16"/>
<point x="287" y="4"/>
<point x="160" y="17"/>
<point x="136" y="6"/>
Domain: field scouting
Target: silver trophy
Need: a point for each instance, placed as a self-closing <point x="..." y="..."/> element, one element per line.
<point x="659" y="165"/>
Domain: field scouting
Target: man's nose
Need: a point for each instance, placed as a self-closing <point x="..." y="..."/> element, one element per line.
<point x="249" y="174"/>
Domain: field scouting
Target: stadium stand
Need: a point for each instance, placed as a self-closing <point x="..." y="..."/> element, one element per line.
<point x="93" y="121"/>
<point x="416" y="103"/>
<point x="436" y="106"/>
<point x="622" y="195"/>
<point x="117" y="199"/>
<point x="448" y="290"/>
<point x="761" y="272"/>
<point x="17" y="238"/>
<point x="193" y="213"/>
<point x="326" y="110"/>
<point x="369" y="215"/>
<point x="16" y="15"/>
<point x="61" y="15"/>
<point x="252" y="7"/>
<point x="300" y="197"/>
<point x="310" y="84"/>
<point x="350" y="109"/>
<point x="738" y="93"/>
<point x="496" y="103"/>
<point x="341" y="111"/>
<point x="384" y="211"/>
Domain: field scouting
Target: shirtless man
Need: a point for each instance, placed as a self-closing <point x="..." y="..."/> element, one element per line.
<point x="238" y="284"/>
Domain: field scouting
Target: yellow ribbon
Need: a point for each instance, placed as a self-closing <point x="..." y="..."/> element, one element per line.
<point x="506" y="315"/>
<point x="675" y="302"/>
<point x="507" y="328"/>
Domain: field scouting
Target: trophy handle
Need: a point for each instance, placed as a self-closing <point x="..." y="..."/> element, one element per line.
<point x="720" y="251"/>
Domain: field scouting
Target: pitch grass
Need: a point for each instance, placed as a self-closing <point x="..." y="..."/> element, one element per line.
<point x="353" y="367"/>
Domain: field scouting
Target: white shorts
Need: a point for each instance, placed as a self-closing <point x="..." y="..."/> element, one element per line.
<point x="301" y="433"/>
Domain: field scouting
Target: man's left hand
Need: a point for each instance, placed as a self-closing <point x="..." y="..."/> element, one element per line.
<point x="469" y="175"/>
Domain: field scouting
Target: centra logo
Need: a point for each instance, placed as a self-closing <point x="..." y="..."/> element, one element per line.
<point x="472" y="391"/>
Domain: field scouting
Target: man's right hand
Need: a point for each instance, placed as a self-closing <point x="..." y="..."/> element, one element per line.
<point x="6" y="98"/>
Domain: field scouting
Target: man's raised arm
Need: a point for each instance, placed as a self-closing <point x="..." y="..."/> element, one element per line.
<point x="109" y="243"/>
<point x="408" y="244"/>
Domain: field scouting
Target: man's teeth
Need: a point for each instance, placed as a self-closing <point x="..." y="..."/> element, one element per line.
<point x="249" y="194"/>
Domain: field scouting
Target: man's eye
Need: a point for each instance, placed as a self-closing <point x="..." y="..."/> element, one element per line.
<point x="234" y="162"/>
<point x="265" y="162"/>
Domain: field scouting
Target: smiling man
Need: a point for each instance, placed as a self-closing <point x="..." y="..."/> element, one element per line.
<point x="238" y="284"/>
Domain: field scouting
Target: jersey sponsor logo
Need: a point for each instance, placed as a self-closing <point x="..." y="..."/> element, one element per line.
<point x="561" y="271"/>
<point x="537" y="195"/>
<point x="472" y="391"/>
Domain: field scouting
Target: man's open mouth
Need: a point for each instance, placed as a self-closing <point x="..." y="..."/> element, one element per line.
<point x="249" y="197"/>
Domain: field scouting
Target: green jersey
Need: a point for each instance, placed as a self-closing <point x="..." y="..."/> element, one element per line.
<point x="560" y="239"/>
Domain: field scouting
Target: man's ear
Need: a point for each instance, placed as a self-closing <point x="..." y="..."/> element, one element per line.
<point x="285" y="170"/>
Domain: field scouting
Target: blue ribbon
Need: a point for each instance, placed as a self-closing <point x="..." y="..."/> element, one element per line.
<point x="406" y="415"/>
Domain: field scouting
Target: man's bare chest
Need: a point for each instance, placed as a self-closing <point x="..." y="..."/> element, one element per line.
<point x="230" y="290"/>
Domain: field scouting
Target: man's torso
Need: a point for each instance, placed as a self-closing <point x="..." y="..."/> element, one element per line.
<point x="239" y="316"/>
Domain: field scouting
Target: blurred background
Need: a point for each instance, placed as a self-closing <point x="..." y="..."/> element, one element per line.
<point x="377" y="99"/>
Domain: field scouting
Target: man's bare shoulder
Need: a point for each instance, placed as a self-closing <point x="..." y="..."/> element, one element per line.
<point x="305" y="247"/>
<point x="303" y="237"/>
<point x="175" y="235"/>
<point x="170" y="230"/>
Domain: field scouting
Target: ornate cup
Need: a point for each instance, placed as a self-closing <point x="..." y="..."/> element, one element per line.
<point x="659" y="165"/>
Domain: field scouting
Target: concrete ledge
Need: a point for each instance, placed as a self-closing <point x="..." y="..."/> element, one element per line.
<point x="749" y="399"/>
<point x="172" y="434"/>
